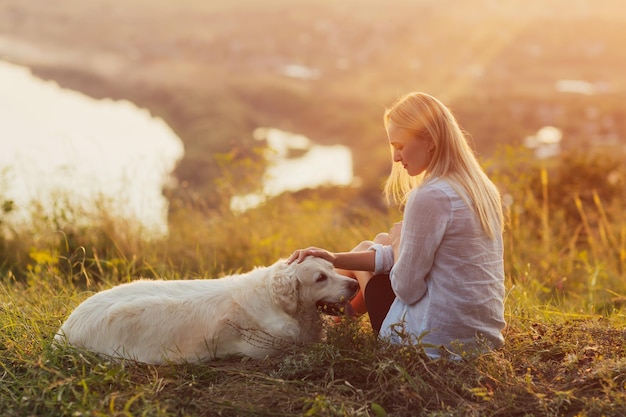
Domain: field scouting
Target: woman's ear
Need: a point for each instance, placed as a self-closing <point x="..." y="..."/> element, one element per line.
<point x="431" y="146"/>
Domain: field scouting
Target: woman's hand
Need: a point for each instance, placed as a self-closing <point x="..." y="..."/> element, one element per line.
<point x="300" y="254"/>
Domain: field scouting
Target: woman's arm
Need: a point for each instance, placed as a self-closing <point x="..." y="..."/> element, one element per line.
<point x="354" y="261"/>
<point x="425" y="222"/>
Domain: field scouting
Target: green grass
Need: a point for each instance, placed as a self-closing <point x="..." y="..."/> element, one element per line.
<point x="564" y="353"/>
<point x="554" y="363"/>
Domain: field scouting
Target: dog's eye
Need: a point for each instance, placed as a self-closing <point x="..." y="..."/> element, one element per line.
<point x="321" y="278"/>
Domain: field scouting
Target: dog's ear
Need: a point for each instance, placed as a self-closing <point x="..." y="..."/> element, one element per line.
<point x="284" y="290"/>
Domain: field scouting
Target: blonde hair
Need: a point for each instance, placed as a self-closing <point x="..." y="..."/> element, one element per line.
<point x="452" y="159"/>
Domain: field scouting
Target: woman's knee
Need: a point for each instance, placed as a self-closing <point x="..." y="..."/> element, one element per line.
<point x="383" y="239"/>
<point x="365" y="245"/>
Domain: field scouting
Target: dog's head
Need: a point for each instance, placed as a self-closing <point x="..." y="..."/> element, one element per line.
<point x="309" y="283"/>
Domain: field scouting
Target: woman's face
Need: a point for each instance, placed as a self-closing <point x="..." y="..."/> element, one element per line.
<point x="410" y="151"/>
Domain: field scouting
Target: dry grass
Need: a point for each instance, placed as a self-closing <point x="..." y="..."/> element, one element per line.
<point x="553" y="364"/>
<point x="564" y="353"/>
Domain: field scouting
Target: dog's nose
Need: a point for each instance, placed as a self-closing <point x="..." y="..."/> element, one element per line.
<point x="353" y="285"/>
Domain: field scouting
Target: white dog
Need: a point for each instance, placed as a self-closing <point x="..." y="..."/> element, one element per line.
<point x="255" y="314"/>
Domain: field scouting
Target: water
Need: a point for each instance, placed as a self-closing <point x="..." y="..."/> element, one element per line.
<point x="546" y="143"/>
<point x="316" y="166"/>
<point x="58" y="142"/>
<point x="55" y="141"/>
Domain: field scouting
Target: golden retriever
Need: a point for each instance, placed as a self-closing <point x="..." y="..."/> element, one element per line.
<point x="255" y="314"/>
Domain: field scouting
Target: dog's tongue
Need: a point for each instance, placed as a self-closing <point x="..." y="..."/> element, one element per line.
<point x="336" y="309"/>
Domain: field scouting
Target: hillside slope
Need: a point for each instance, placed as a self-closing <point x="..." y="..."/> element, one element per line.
<point x="217" y="70"/>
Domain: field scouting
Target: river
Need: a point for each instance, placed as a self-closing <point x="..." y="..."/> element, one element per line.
<point x="60" y="148"/>
<point x="57" y="143"/>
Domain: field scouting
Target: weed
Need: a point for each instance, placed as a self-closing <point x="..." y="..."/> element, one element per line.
<point x="564" y="352"/>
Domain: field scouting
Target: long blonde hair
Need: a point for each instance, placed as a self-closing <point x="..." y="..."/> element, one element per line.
<point x="452" y="159"/>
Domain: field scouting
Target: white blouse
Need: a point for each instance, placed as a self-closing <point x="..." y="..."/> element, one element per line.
<point x="449" y="275"/>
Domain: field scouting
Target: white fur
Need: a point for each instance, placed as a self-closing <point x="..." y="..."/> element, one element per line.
<point x="255" y="314"/>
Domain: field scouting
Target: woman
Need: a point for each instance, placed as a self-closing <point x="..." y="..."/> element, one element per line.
<point x="437" y="276"/>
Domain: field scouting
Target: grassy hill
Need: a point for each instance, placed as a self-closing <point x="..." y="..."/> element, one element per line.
<point x="215" y="71"/>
